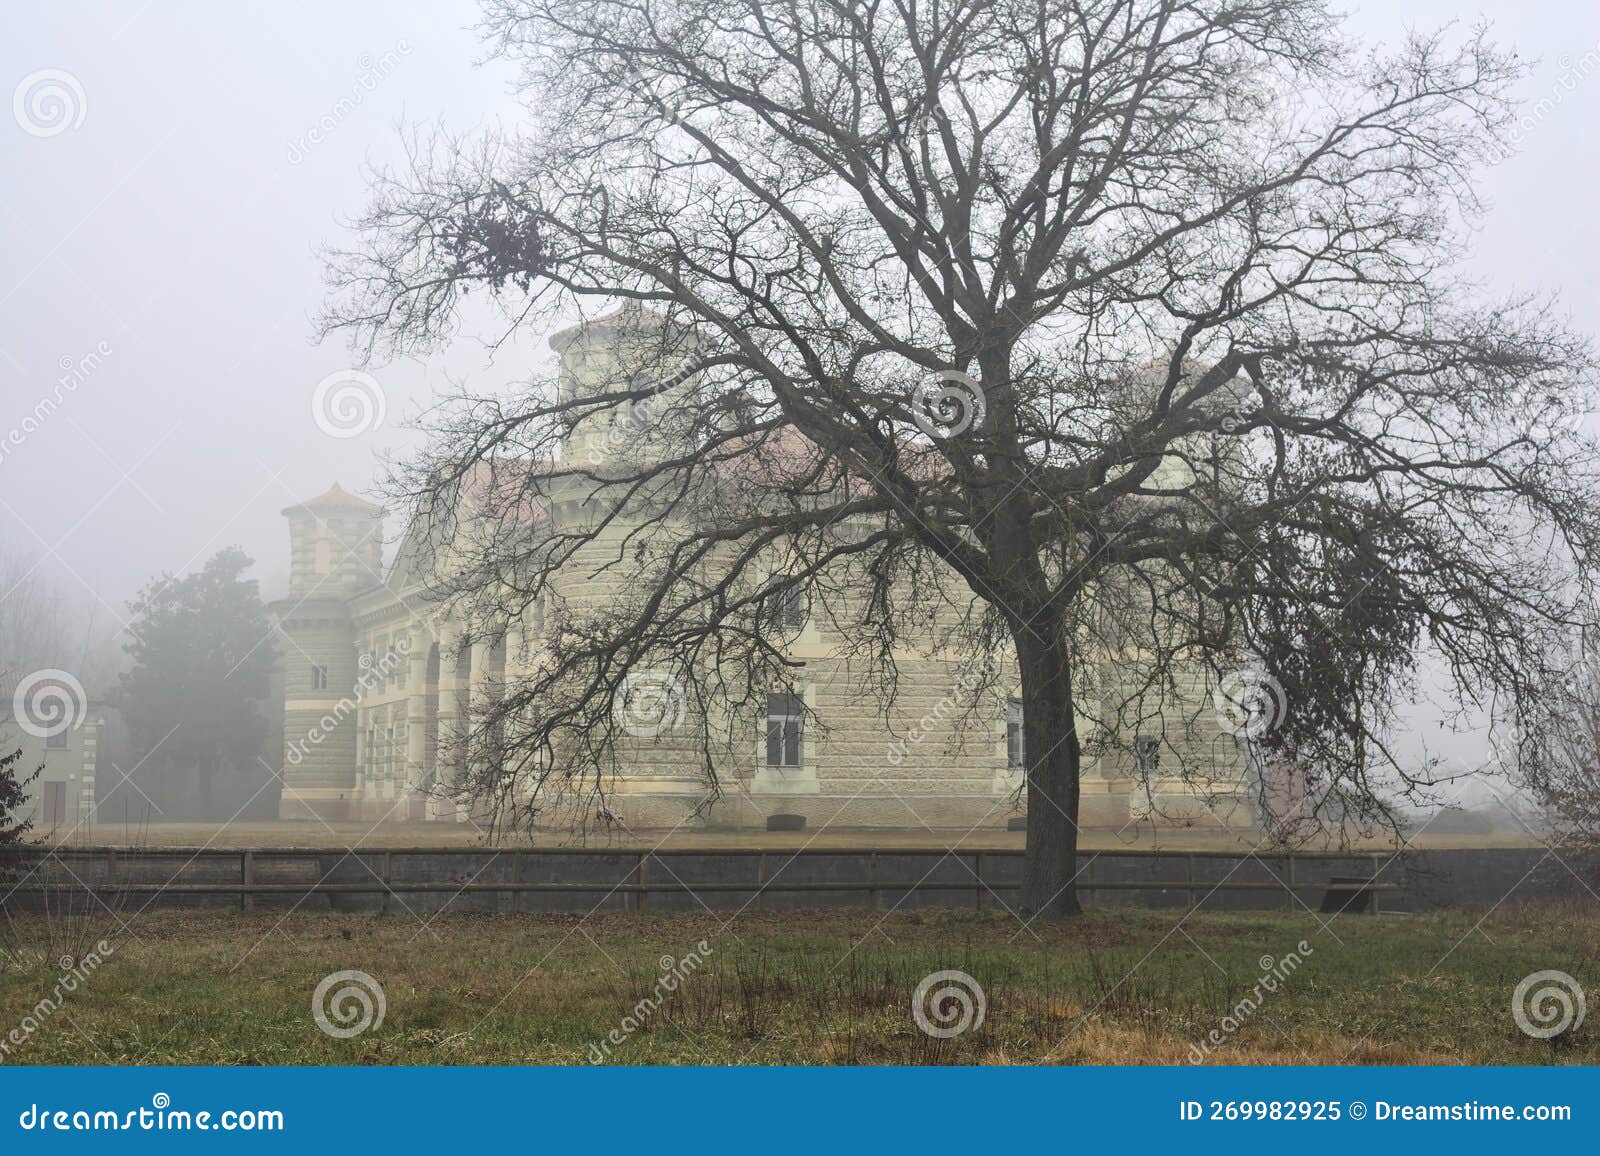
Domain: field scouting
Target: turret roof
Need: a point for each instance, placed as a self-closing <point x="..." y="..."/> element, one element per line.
<point x="631" y="315"/>
<point x="336" y="498"/>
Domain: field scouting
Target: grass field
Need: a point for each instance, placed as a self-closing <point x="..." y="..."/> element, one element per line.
<point x="806" y="987"/>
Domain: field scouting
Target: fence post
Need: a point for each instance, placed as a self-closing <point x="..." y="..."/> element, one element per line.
<point x="641" y="897"/>
<point x="1189" y="878"/>
<point x="761" y="881"/>
<point x="874" y="896"/>
<point x="977" y="895"/>
<point x="388" y="864"/>
<point x="1288" y="900"/>
<point x="247" y="876"/>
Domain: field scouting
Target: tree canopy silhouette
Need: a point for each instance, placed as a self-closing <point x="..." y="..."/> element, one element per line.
<point x="1127" y="325"/>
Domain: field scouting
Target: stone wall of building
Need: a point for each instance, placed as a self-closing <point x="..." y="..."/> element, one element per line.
<point x="61" y="800"/>
<point x="378" y="740"/>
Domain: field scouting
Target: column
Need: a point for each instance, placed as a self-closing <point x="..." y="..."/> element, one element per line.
<point x="517" y="636"/>
<point x="446" y="707"/>
<point x="480" y="663"/>
<point x="363" y="720"/>
<point x="478" y="701"/>
<point x="416" y="772"/>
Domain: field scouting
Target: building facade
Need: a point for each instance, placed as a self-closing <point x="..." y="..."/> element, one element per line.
<point x="379" y="683"/>
<point x="65" y="753"/>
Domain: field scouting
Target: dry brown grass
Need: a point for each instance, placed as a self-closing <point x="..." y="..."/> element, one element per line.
<point x="810" y="987"/>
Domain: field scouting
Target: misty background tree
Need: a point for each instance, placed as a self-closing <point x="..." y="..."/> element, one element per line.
<point x="1141" y="321"/>
<point x="40" y="629"/>
<point x="195" y="695"/>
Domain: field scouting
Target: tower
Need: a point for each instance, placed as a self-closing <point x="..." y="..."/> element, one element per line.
<point x="335" y="544"/>
<point x="604" y="454"/>
<point x="626" y="349"/>
<point x="336" y="551"/>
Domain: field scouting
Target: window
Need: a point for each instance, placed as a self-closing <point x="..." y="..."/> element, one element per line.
<point x="319" y="678"/>
<point x="789" y="609"/>
<point x="636" y="414"/>
<point x="55" y="803"/>
<point x="784" y="713"/>
<point x="1146" y="755"/>
<point x="1016" y="751"/>
<point x="55" y="740"/>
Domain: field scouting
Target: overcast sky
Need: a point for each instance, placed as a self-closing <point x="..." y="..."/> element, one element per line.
<point x="160" y="228"/>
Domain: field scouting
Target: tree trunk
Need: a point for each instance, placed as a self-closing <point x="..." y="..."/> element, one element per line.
<point x="1052" y="757"/>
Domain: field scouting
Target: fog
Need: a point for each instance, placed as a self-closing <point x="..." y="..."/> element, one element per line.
<point x="161" y="268"/>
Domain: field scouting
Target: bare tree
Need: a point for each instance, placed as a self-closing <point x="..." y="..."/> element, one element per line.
<point x="33" y="637"/>
<point x="1556" y="754"/>
<point x="34" y="631"/>
<point x="42" y="626"/>
<point x="1127" y="325"/>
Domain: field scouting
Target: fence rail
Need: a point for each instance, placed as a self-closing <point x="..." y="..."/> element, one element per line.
<point x="631" y="877"/>
<point x="177" y="851"/>
<point x="401" y="886"/>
